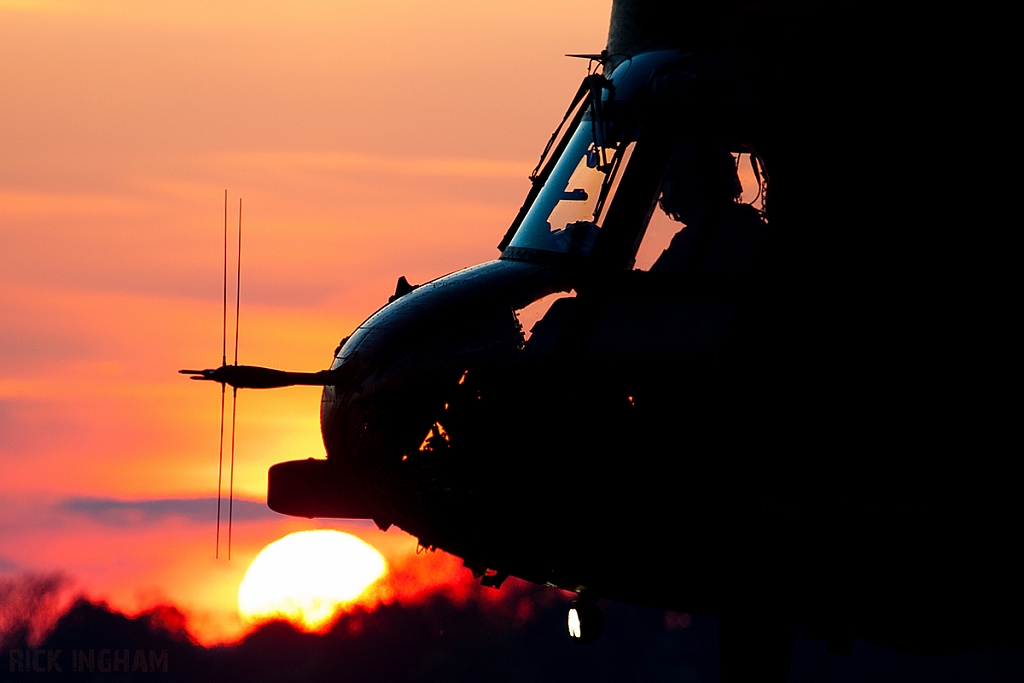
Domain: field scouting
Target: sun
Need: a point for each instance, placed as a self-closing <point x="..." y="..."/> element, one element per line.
<point x="306" y="576"/>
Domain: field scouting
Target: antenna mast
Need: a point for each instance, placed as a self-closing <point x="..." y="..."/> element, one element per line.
<point x="234" y="390"/>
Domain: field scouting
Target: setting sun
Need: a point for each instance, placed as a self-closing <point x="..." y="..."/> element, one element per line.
<point x="306" y="576"/>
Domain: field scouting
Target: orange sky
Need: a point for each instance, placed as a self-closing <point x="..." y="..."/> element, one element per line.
<point x="368" y="140"/>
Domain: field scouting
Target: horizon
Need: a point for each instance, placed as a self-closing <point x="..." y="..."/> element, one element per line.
<point x="367" y="143"/>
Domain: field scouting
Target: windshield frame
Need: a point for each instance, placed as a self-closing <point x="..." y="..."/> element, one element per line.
<point x="540" y="174"/>
<point x="628" y="108"/>
<point x="591" y="156"/>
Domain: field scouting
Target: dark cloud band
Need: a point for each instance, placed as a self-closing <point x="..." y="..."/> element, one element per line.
<point x="114" y="512"/>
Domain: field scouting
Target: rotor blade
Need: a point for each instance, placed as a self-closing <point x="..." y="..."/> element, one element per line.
<point x="231" y="480"/>
<point x="254" y="377"/>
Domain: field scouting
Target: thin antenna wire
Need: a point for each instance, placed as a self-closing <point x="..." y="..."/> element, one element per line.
<point x="220" y="467"/>
<point x="231" y="485"/>
<point x="234" y="390"/>
<point x="238" y="278"/>
<point x="224" y="321"/>
<point x="223" y="386"/>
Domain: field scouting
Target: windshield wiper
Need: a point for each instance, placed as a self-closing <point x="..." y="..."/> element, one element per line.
<point x="592" y="85"/>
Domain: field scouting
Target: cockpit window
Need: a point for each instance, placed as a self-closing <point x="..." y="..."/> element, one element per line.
<point x="709" y="215"/>
<point x="567" y="213"/>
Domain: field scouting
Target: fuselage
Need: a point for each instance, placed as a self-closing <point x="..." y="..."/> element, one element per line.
<point x="738" y="426"/>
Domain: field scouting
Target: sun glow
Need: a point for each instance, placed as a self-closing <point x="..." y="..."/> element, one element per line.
<point x="307" y="576"/>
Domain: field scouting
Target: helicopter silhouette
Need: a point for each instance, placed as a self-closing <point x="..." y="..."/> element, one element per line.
<point x="785" y="415"/>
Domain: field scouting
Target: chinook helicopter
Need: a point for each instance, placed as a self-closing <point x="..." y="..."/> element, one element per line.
<point x="759" y="382"/>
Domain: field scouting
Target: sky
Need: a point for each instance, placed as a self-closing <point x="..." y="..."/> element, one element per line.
<point x="365" y="140"/>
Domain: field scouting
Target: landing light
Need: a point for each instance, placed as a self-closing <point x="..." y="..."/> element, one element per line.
<point x="574" y="624"/>
<point x="585" y="621"/>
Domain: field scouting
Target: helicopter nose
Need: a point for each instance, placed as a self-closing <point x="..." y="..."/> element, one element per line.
<point x="332" y="487"/>
<point x="343" y="418"/>
<point x="405" y="356"/>
<point x="376" y="418"/>
<point x="396" y="373"/>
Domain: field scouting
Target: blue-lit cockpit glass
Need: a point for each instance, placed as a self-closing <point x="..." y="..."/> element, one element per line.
<point x="567" y="213"/>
